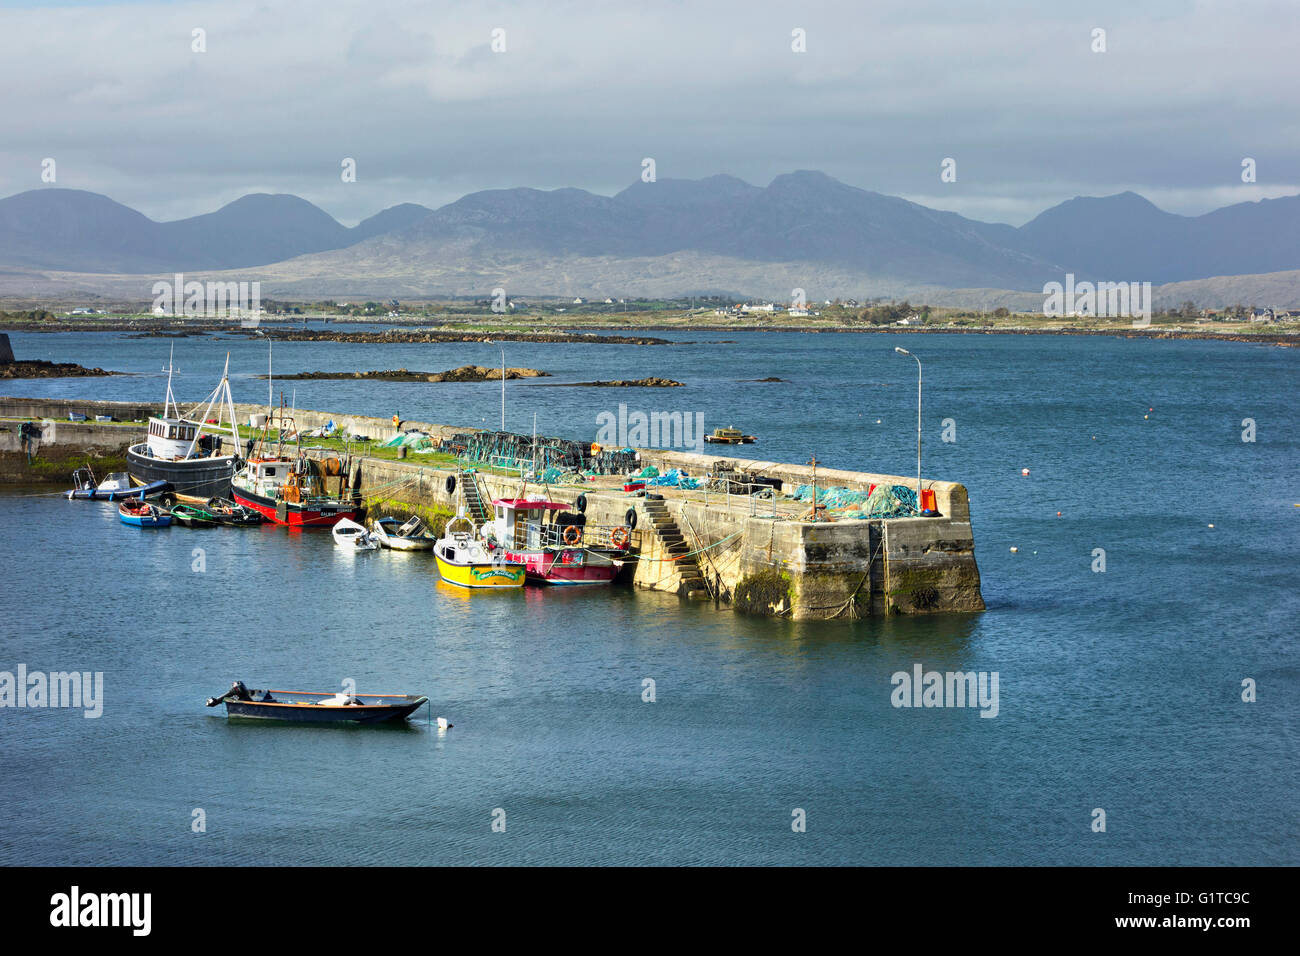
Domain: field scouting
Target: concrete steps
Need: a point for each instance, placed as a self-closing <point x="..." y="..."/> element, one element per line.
<point x="690" y="580"/>
<point x="474" y="505"/>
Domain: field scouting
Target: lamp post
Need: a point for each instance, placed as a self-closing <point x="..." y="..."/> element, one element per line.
<point x="503" y="386"/>
<point x="918" y="424"/>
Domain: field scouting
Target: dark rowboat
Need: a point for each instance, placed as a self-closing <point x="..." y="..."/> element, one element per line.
<point x="225" y="511"/>
<point x="313" y="708"/>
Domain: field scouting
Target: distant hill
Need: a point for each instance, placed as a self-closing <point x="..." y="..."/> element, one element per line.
<point x="71" y="230"/>
<point x="1125" y="236"/>
<point x="671" y="237"/>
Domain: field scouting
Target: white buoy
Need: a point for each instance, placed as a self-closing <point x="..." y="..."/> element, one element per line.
<point x="1025" y="472"/>
<point x="442" y="723"/>
<point x="1014" y="549"/>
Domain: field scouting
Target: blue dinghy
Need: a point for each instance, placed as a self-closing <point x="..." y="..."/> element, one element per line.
<point x="141" y="514"/>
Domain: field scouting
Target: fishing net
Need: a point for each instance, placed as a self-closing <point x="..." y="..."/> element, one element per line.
<point x="891" y="501"/>
<point x="542" y="454"/>
<point x="886" y="501"/>
<point x="676" y="478"/>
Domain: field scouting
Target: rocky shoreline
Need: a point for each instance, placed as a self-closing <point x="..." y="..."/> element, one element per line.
<point x="466" y="373"/>
<point x="418" y="336"/>
<point x="653" y="382"/>
<point x="38" y="368"/>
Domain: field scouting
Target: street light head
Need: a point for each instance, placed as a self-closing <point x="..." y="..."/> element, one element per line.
<point x="901" y="351"/>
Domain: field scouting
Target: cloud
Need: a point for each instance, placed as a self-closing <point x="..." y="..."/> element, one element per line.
<point x="414" y="92"/>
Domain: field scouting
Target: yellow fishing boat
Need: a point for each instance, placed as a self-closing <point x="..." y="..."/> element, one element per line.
<point x="465" y="561"/>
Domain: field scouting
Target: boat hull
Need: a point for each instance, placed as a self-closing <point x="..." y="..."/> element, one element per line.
<point x="476" y="575"/>
<point x="294" y="515"/>
<point x="324" y="714"/>
<point x="563" y="568"/>
<point x="197" y="479"/>
<point x="145" y="521"/>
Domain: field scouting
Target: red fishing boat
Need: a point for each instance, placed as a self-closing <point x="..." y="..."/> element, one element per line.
<point x="294" y="490"/>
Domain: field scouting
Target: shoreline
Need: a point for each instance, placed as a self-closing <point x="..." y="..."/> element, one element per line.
<point x="417" y="332"/>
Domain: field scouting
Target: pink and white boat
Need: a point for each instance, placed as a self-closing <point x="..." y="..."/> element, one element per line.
<point x="554" y="544"/>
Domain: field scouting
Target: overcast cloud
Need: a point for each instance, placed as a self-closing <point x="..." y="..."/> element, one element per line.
<point x="414" y="93"/>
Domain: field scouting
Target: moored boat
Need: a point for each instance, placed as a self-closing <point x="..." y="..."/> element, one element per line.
<point x="353" y="537"/>
<point x="411" y="536"/>
<point x="142" y="514"/>
<point x="297" y="491"/>
<point x="555" y="545"/>
<point x="316" y="708"/>
<point x="466" y="561"/>
<point x="176" y="449"/>
<point x="192" y="516"/>
<point x="85" y="486"/>
<point x="730" y="436"/>
<point x="226" y="512"/>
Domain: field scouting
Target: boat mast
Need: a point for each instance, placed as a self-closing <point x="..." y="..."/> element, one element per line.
<point x="169" y="401"/>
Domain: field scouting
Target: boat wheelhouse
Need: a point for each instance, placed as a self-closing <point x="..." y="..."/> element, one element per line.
<point x="554" y="544"/>
<point x="177" y="450"/>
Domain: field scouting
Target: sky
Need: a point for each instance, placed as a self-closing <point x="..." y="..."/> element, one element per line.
<point x="882" y="93"/>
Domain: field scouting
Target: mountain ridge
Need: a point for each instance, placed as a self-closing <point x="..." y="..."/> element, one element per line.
<point x="802" y="217"/>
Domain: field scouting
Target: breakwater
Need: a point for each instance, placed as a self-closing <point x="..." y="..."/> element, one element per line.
<point x="759" y="555"/>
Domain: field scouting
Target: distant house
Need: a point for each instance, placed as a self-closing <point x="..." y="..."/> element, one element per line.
<point x="578" y="301"/>
<point x="1261" y="315"/>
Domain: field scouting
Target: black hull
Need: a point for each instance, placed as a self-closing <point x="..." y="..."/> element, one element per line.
<point x="316" y="714"/>
<point x="198" y="478"/>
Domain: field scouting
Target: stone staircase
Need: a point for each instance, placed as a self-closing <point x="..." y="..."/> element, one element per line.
<point x="690" y="581"/>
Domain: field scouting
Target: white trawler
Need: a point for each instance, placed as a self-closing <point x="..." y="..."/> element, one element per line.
<point x="176" y="449"/>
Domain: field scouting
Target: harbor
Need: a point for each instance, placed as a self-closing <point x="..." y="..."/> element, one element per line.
<point x="620" y="724"/>
<point x="734" y="530"/>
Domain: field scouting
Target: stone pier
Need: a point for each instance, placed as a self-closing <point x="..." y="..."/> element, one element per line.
<point x="758" y="555"/>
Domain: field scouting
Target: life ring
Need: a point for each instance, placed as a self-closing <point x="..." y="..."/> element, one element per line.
<point x="581" y="504"/>
<point x="619" y="537"/>
<point x="450" y="484"/>
<point x="571" y="535"/>
<point x="629" y="518"/>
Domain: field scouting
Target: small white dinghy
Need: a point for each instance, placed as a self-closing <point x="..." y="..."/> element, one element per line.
<point x="353" y="537"/>
<point x="412" y="536"/>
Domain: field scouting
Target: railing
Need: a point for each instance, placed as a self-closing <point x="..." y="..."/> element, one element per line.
<point x="592" y="536"/>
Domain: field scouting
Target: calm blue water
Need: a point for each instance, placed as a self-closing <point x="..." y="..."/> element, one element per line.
<point x="1118" y="690"/>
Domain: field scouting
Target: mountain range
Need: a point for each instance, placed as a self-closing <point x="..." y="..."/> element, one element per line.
<point x="670" y="237"/>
